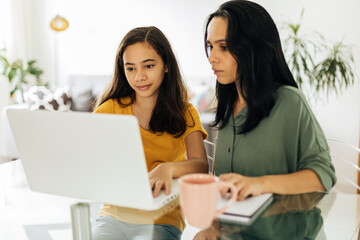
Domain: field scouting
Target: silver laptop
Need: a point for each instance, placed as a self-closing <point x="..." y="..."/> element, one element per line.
<point x="97" y="157"/>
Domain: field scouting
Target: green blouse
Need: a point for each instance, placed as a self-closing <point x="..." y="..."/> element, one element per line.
<point x="288" y="140"/>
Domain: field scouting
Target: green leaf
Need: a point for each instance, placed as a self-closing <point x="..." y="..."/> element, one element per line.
<point x="13" y="91"/>
<point x="12" y="74"/>
<point x="31" y="62"/>
<point x="302" y="48"/>
<point x="5" y="61"/>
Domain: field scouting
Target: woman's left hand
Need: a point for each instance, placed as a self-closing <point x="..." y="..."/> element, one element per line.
<point x="160" y="178"/>
<point x="245" y="186"/>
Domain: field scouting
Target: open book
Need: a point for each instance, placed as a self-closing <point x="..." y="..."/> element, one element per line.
<point x="246" y="211"/>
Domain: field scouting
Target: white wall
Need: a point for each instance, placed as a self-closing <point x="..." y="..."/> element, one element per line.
<point x="89" y="45"/>
<point x="96" y="28"/>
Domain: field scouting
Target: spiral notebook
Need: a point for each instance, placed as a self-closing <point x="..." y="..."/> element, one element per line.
<point x="246" y="211"/>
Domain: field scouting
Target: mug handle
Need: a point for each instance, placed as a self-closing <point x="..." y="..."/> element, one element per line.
<point x="232" y="200"/>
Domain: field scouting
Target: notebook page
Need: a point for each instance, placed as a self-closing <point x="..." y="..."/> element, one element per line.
<point x="245" y="208"/>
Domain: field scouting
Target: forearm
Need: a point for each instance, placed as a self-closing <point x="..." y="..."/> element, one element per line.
<point x="294" y="183"/>
<point x="188" y="166"/>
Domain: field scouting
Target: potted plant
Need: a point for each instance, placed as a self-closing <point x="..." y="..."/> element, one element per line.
<point x="318" y="66"/>
<point x="20" y="75"/>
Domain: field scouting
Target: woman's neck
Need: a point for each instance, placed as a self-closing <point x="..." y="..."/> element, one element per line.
<point x="142" y="109"/>
<point x="145" y="104"/>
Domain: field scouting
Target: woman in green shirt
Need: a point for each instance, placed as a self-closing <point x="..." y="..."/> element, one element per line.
<point x="268" y="138"/>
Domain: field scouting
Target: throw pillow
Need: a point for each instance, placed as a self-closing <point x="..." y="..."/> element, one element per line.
<point x="41" y="98"/>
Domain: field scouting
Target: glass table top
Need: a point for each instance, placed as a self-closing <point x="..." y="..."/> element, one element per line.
<point x="305" y="216"/>
<point x="29" y="215"/>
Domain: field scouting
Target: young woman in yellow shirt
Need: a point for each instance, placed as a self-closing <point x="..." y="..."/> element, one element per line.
<point x="147" y="84"/>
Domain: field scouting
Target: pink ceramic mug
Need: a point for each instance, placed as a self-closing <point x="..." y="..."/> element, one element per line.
<point x="199" y="194"/>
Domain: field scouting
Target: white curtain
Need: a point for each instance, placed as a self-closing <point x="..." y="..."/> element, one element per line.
<point x="14" y="36"/>
<point x="4" y="93"/>
<point x="2" y="24"/>
<point x="16" y="31"/>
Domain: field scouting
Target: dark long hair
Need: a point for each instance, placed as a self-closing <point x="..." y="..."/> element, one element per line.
<point x="254" y="41"/>
<point x="168" y="113"/>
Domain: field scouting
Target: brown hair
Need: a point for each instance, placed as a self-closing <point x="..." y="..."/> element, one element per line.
<point x="168" y="113"/>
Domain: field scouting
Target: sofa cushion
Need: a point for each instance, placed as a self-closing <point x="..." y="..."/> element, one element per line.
<point x="81" y="99"/>
<point x="84" y="89"/>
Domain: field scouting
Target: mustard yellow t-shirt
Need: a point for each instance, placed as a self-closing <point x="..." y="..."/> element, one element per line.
<point x="158" y="149"/>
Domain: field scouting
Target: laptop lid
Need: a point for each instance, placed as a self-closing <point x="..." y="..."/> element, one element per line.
<point x="95" y="157"/>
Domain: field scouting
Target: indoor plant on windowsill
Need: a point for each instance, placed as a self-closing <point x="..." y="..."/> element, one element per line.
<point x="318" y="67"/>
<point x="20" y="76"/>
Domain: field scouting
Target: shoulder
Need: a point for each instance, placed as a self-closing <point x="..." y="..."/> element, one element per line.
<point x="112" y="106"/>
<point x="193" y="122"/>
<point x="191" y="114"/>
<point x="291" y="97"/>
<point x="291" y="107"/>
<point x="289" y="93"/>
<point x="106" y="107"/>
<point x="190" y="108"/>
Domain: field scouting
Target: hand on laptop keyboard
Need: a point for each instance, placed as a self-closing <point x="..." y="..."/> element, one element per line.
<point x="160" y="178"/>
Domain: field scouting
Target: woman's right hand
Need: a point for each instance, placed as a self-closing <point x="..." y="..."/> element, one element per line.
<point x="245" y="186"/>
<point x="160" y="178"/>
